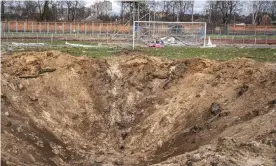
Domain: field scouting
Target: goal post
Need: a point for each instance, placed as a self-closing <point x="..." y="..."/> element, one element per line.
<point x="169" y="33"/>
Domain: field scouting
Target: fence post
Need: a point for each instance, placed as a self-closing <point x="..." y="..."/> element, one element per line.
<point x="134" y="29"/>
<point x="70" y="28"/>
<point x="8" y="26"/>
<point x="55" y="27"/>
<point x="243" y="34"/>
<point x="78" y="27"/>
<point x="39" y="27"/>
<point x="32" y="27"/>
<point x="63" y="28"/>
<point x="47" y="27"/>
<point x="107" y="29"/>
<point x="106" y="34"/>
<point x="255" y="31"/>
<point x="114" y="26"/>
<point x="92" y="28"/>
<point x="85" y="28"/>
<point x="100" y="29"/>
<point x="24" y="26"/>
<point x="16" y="26"/>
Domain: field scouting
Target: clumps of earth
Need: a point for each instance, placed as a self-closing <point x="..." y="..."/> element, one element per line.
<point x="134" y="109"/>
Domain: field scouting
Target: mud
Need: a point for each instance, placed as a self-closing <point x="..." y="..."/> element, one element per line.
<point x="59" y="109"/>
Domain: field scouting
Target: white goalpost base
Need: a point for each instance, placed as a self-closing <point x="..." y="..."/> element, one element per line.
<point x="169" y="33"/>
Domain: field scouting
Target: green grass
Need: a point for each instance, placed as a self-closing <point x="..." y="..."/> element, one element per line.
<point x="259" y="54"/>
<point x="218" y="53"/>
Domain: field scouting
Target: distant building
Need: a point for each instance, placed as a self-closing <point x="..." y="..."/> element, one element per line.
<point x="266" y="20"/>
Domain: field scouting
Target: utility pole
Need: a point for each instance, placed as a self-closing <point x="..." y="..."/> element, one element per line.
<point x="154" y="18"/>
<point x="138" y="11"/>
<point x="178" y="11"/>
<point x="133" y="11"/>
<point x="210" y="13"/>
<point x="193" y="2"/>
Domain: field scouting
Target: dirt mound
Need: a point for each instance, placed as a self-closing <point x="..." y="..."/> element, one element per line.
<point x="136" y="110"/>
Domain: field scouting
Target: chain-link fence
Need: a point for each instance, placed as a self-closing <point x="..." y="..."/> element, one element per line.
<point x="52" y="31"/>
<point x="115" y="33"/>
<point x="242" y="34"/>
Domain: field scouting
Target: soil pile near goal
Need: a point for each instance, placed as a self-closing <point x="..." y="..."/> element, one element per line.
<point x="136" y="110"/>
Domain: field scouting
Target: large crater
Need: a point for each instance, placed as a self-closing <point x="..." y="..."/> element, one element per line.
<point x="136" y="110"/>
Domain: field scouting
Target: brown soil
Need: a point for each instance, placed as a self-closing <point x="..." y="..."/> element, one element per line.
<point x="136" y="110"/>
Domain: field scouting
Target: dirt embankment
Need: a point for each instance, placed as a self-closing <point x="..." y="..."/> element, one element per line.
<point x="136" y="110"/>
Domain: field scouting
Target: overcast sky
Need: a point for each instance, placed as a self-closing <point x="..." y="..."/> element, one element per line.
<point x="116" y="8"/>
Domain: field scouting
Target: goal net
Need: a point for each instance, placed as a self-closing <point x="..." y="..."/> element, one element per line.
<point x="147" y="33"/>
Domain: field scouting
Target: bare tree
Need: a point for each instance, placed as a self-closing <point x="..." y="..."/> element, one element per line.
<point x="271" y="10"/>
<point x="68" y="5"/>
<point x="213" y="12"/>
<point x="182" y="8"/>
<point x="40" y="4"/>
<point x="3" y="10"/>
<point x="29" y="9"/>
<point x="222" y="11"/>
<point x="227" y="9"/>
<point x="18" y="8"/>
<point x="257" y="8"/>
<point x="175" y="10"/>
<point x="72" y="7"/>
<point x="80" y="11"/>
<point x="54" y="9"/>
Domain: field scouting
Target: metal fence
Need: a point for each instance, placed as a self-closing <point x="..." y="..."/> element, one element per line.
<point x="51" y="31"/>
<point x="242" y="34"/>
<point x="26" y="31"/>
<point x="65" y="27"/>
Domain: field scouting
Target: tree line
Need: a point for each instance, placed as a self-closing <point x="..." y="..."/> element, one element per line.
<point x="226" y="12"/>
<point x="43" y="10"/>
<point x="214" y="12"/>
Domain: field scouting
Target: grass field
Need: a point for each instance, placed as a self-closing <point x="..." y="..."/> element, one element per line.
<point x="259" y="54"/>
<point x="219" y="53"/>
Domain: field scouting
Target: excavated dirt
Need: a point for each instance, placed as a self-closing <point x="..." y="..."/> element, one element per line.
<point x="136" y="110"/>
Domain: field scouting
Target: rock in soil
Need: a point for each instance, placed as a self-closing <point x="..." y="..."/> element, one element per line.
<point x="215" y="108"/>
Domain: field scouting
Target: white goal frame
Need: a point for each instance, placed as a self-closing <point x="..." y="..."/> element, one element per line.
<point x="161" y="22"/>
